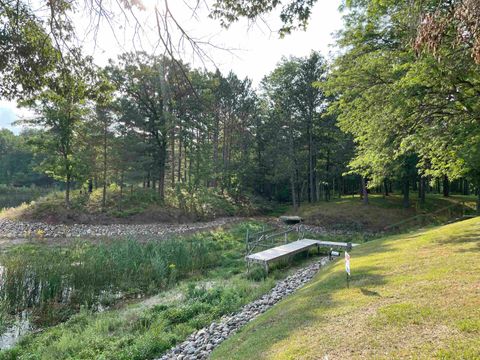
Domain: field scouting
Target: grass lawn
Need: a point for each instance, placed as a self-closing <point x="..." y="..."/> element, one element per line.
<point x="349" y="213"/>
<point x="411" y="296"/>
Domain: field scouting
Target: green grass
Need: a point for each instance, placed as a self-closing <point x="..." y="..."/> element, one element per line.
<point x="410" y="296"/>
<point x="40" y="278"/>
<point x="139" y="331"/>
<point x="348" y="213"/>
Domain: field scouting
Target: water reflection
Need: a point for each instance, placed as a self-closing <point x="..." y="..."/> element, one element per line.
<point x="14" y="332"/>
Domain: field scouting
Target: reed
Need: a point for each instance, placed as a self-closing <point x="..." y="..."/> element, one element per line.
<point x="35" y="277"/>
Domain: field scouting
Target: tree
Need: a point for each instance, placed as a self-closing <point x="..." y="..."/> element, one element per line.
<point x="60" y="110"/>
<point x="143" y="81"/>
<point x="294" y="13"/>
<point x="398" y="105"/>
<point x="18" y="160"/>
<point x="297" y="103"/>
<point x="27" y="53"/>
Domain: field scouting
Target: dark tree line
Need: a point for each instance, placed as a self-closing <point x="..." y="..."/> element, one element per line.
<point x="396" y="110"/>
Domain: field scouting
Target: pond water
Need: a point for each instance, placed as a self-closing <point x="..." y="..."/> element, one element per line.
<point x="14" y="332"/>
<point x="12" y="197"/>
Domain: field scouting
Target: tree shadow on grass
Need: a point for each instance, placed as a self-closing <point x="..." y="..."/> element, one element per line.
<point x="469" y="238"/>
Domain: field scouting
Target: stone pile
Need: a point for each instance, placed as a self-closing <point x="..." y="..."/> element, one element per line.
<point x="199" y="345"/>
<point x="16" y="229"/>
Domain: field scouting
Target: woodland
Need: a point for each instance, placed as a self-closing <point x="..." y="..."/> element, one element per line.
<point x="396" y="110"/>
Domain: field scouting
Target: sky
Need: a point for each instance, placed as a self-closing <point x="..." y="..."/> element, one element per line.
<point x="250" y="50"/>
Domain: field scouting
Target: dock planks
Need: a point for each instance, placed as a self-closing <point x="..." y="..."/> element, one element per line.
<point x="292" y="248"/>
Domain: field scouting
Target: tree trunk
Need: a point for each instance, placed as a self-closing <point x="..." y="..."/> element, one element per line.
<point x="406" y="193"/>
<point x="478" y="199"/>
<point x="216" y="131"/>
<point x="311" y="185"/>
<point x="333" y="187"/>
<point x="122" y="178"/>
<point x="179" y="170"/>
<point x="364" y="190"/>
<point x="161" y="175"/>
<point x="172" y="175"/>
<point x="67" y="191"/>
<point x="190" y="164"/>
<point x="185" y="163"/>
<point x="385" y="185"/>
<point x="466" y="188"/>
<point x="446" y="186"/>
<point x="90" y="185"/>
<point x="421" y="190"/>
<point x="104" y="189"/>
<point x="294" y="196"/>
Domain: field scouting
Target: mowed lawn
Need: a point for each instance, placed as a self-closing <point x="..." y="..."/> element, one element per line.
<point x="411" y="296"/>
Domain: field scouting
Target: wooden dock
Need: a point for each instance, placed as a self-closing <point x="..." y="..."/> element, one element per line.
<point x="279" y="252"/>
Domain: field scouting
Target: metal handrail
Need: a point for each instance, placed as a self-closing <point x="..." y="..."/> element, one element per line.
<point x="265" y="238"/>
<point x="392" y="226"/>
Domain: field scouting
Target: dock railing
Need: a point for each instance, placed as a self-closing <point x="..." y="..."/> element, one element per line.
<point x="446" y="214"/>
<point x="268" y="238"/>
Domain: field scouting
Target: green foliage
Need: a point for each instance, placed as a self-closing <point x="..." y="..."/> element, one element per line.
<point x="294" y="14"/>
<point x="201" y="202"/>
<point x="18" y="161"/>
<point x="81" y="274"/>
<point x="137" y="333"/>
<point x="257" y="273"/>
<point x="123" y="203"/>
<point x="398" y="104"/>
<point x="27" y="51"/>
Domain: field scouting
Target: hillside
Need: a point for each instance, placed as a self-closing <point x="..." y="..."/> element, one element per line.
<point x="134" y="205"/>
<point x="348" y="213"/>
<point x="414" y="295"/>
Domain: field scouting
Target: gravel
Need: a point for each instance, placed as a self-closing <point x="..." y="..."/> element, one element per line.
<point x="16" y="229"/>
<point x="200" y="344"/>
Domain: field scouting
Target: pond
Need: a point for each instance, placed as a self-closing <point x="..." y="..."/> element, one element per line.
<point x="12" y="196"/>
<point x="14" y="332"/>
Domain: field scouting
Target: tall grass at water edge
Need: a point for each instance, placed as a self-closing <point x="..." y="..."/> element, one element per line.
<point x="59" y="280"/>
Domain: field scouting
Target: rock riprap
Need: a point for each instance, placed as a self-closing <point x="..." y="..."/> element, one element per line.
<point x="16" y="229"/>
<point x="200" y="344"/>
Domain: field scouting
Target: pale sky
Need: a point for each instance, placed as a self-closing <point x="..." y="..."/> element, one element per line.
<point x="255" y="49"/>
